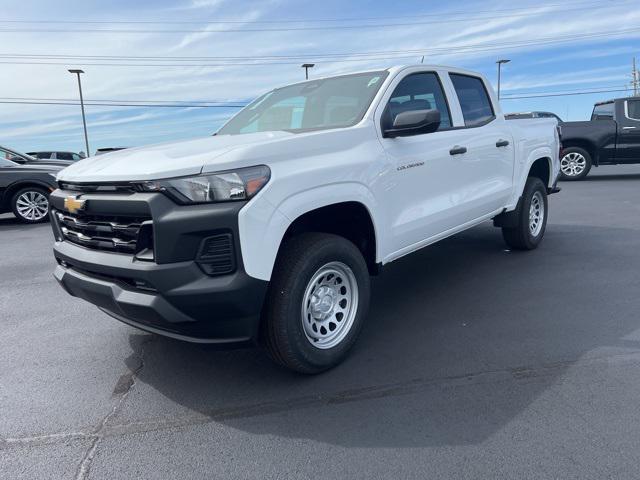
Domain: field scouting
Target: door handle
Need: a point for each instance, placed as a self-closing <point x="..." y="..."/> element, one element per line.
<point x="502" y="143"/>
<point x="628" y="128"/>
<point x="458" y="150"/>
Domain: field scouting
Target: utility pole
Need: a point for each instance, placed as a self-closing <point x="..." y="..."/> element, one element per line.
<point x="500" y="63"/>
<point x="84" y="121"/>
<point x="306" y="67"/>
<point x="635" y="78"/>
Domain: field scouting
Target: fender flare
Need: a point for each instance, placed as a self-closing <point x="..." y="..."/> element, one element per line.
<point x="263" y="225"/>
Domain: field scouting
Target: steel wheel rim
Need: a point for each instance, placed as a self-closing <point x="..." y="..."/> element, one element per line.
<point x="329" y="305"/>
<point x="536" y="214"/>
<point x="573" y="164"/>
<point x="32" y="205"/>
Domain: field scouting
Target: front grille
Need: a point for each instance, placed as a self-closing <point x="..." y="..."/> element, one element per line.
<point x="102" y="188"/>
<point x="110" y="233"/>
<point x="216" y="255"/>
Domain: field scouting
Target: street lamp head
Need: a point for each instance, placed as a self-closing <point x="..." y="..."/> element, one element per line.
<point x="500" y="62"/>
<point x="308" y="65"/>
<point x="75" y="70"/>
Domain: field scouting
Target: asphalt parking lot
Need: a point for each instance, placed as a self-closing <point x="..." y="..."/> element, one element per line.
<point x="476" y="362"/>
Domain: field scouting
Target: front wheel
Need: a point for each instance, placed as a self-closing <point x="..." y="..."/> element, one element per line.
<point x="532" y="217"/>
<point x="317" y="302"/>
<point x="31" y="205"/>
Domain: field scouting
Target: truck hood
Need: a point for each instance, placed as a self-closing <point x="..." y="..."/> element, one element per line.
<point x="164" y="160"/>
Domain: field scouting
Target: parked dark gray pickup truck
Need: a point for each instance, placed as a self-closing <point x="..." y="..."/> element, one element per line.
<point x="612" y="137"/>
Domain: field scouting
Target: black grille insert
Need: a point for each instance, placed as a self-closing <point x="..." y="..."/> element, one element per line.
<point x="110" y="233"/>
<point x="103" y="188"/>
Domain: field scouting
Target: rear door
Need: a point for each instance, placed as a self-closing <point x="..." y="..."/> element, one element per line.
<point x="628" y="147"/>
<point x="486" y="168"/>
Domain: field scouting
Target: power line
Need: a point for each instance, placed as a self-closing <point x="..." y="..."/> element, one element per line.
<point x="197" y="104"/>
<point x="562" y="94"/>
<point x="583" y="4"/>
<point x="236" y="103"/>
<point x="276" y="29"/>
<point x="330" y="57"/>
<point x="220" y="102"/>
<point x="27" y="102"/>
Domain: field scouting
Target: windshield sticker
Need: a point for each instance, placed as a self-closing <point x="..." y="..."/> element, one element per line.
<point x="373" y="81"/>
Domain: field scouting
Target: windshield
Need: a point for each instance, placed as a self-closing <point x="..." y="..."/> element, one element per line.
<point x="6" y="163"/>
<point x="14" y="156"/>
<point x="329" y="103"/>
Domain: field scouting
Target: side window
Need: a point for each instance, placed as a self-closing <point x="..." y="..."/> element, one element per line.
<point x="418" y="91"/>
<point x="603" y="111"/>
<point x="633" y="109"/>
<point x="474" y="100"/>
<point x="75" y="157"/>
<point x="63" y="156"/>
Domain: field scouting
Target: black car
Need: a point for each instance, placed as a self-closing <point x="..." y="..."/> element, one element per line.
<point x="611" y="137"/>
<point x="25" y="159"/>
<point x="51" y="155"/>
<point x="25" y="189"/>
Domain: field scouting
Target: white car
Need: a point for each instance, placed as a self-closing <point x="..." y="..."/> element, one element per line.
<point x="268" y="231"/>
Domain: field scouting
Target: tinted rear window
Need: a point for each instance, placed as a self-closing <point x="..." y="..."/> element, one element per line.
<point x="474" y="100"/>
<point x="603" y="112"/>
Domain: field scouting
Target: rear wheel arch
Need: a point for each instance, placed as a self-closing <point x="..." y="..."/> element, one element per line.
<point x="19" y="185"/>
<point x="541" y="168"/>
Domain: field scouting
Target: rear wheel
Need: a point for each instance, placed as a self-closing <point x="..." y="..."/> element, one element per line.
<point x="317" y="302"/>
<point x="575" y="164"/>
<point x="31" y="205"/>
<point x="532" y="217"/>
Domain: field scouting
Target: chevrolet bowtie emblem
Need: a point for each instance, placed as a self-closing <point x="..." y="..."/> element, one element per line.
<point x="73" y="204"/>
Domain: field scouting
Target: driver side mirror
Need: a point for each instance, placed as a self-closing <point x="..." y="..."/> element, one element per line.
<point x="414" y="122"/>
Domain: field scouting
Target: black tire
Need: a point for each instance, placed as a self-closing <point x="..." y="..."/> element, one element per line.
<point x="282" y="331"/>
<point x="577" y="153"/>
<point x="521" y="236"/>
<point x="17" y="204"/>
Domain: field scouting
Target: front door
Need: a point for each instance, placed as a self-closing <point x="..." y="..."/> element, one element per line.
<point x="427" y="180"/>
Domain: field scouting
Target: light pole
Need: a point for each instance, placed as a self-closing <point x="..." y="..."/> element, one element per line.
<point x="500" y="63"/>
<point x="84" y="121"/>
<point x="306" y="67"/>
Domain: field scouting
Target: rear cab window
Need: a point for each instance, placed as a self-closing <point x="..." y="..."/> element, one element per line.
<point x="603" y="111"/>
<point x="477" y="109"/>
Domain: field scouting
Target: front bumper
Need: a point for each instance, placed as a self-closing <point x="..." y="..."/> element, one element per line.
<point x="172" y="295"/>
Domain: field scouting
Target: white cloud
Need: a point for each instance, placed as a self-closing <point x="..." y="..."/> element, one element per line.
<point x="18" y="122"/>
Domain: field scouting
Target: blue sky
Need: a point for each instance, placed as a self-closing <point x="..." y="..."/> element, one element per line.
<point x="554" y="47"/>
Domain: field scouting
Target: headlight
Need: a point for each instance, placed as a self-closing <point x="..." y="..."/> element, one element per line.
<point x="241" y="184"/>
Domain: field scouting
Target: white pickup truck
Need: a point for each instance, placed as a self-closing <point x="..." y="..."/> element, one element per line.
<point x="269" y="231"/>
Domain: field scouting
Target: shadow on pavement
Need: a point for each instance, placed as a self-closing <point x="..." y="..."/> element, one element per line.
<point x="9" y="222"/>
<point x="595" y="177"/>
<point x="457" y="344"/>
